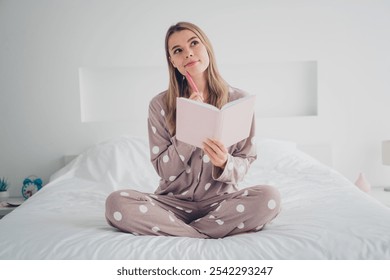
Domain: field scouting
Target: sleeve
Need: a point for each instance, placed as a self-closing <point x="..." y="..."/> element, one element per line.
<point x="168" y="155"/>
<point x="239" y="160"/>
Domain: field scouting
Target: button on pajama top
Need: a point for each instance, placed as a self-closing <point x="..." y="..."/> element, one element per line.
<point x="194" y="198"/>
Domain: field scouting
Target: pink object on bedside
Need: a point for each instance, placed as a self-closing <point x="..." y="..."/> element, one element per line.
<point x="362" y="183"/>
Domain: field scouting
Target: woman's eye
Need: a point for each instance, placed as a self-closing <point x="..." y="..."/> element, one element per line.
<point x="194" y="43"/>
<point x="176" y="51"/>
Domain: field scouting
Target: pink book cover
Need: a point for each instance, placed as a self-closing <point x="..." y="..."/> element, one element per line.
<point x="197" y="121"/>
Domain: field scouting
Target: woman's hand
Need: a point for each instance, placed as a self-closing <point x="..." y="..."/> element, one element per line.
<point x="216" y="151"/>
<point x="197" y="96"/>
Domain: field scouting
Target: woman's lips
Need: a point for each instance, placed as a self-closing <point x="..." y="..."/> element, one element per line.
<point x="192" y="63"/>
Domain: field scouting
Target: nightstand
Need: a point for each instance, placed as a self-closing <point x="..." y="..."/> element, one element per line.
<point x="381" y="195"/>
<point x="8" y="204"/>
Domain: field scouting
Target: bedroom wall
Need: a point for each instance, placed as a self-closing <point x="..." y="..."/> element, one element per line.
<point x="43" y="44"/>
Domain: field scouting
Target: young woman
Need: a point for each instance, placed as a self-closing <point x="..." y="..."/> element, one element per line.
<point x="197" y="195"/>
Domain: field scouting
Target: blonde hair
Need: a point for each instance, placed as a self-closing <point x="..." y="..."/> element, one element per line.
<point x="217" y="87"/>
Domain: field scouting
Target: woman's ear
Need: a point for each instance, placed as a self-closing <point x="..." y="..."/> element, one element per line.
<point x="170" y="59"/>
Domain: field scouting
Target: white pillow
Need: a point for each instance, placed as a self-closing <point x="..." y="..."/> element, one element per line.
<point x="269" y="153"/>
<point x="270" y="150"/>
<point x="122" y="162"/>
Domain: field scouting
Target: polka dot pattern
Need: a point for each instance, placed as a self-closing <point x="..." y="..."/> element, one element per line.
<point x="172" y="178"/>
<point x="117" y="216"/>
<point x="228" y="211"/>
<point x="155" y="150"/>
<point x="259" y="227"/>
<point x="198" y="165"/>
<point x="271" y="204"/>
<point x="240" y="208"/>
<point x="143" y="209"/>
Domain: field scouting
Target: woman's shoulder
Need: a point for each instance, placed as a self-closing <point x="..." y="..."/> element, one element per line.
<point x="236" y="93"/>
<point x="158" y="100"/>
<point x="159" y="97"/>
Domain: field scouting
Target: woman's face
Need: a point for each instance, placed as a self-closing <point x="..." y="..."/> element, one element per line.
<point x="187" y="53"/>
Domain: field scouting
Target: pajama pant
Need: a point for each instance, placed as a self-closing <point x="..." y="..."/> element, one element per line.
<point x="247" y="210"/>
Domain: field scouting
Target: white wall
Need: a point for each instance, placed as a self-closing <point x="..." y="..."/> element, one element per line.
<point x="44" y="43"/>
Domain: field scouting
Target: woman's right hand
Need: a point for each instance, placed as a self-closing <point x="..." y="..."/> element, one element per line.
<point x="197" y="96"/>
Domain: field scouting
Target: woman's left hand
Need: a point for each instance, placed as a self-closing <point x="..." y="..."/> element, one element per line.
<point x="216" y="151"/>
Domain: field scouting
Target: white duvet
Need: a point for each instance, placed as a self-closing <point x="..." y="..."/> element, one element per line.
<point x="324" y="216"/>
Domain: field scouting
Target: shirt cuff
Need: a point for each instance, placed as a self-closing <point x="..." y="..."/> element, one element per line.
<point x="223" y="175"/>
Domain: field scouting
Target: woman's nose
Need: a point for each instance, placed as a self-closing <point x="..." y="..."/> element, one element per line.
<point x="189" y="54"/>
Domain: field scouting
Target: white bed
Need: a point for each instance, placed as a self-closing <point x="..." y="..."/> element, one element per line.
<point x="324" y="216"/>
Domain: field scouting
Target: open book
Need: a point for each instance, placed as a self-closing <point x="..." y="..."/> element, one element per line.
<point x="197" y="121"/>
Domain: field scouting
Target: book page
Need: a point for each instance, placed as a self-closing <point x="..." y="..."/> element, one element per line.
<point x="239" y="100"/>
<point x="196" y="121"/>
<point x="237" y="120"/>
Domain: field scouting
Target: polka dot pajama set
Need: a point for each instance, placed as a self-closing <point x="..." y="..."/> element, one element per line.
<point x="194" y="198"/>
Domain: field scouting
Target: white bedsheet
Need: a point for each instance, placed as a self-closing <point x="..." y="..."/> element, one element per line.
<point x="324" y="216"/>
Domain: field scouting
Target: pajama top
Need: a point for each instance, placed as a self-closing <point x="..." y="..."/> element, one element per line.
<point x="185" y="171"/>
